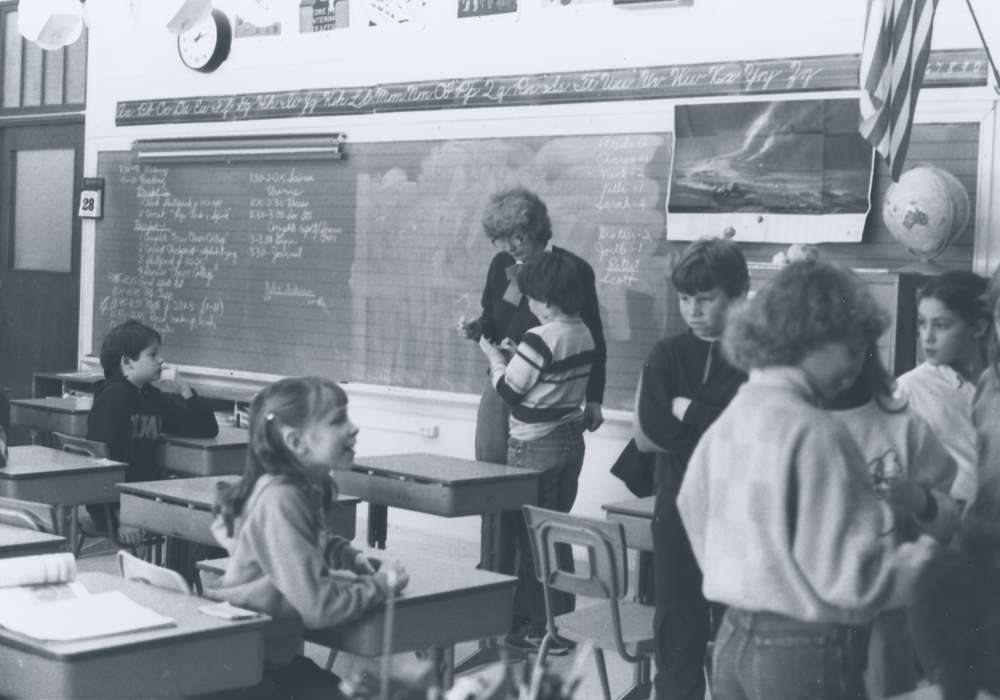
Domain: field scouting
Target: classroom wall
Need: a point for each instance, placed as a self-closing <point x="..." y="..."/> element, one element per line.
<point x="545" y="36"/>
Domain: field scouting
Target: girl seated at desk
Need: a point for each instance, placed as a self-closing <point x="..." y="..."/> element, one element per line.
<point x="283" y="560"/>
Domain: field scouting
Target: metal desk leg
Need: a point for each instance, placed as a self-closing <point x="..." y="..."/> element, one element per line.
<point x="72" y="514"/>
<point x="378" y="525"/>
<point x="443" y="663"/>
<point x="642" y="683"/>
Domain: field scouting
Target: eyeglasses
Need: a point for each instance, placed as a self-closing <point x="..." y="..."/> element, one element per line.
<point x="515" y="240"/>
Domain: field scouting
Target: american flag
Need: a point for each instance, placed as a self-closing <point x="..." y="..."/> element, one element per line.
<point x="893" y="59"/>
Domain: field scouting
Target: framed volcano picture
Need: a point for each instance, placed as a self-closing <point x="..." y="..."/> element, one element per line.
<point x="794" y="171"/>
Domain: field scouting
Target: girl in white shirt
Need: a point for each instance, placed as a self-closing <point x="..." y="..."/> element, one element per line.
<point x="952" y="320"/>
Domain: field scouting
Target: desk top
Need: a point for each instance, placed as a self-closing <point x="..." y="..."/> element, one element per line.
<point x="438" y="469"/>
<point x="183" y="609"/>
<point x="229" y="436"/>
<point x="196" y="491"/>
<point x="75" y="405"/>
<point x="84" y="377"/>
<point x="15" y="540"/>
<point x="431" y="577"/>
<point x="637" y="507"/>
<point x="28" y="461"/>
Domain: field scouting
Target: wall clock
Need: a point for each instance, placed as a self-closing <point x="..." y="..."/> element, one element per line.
<point x="205" y="45"/>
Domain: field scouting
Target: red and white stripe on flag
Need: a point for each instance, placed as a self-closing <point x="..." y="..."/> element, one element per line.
<point x="893" y="58"/>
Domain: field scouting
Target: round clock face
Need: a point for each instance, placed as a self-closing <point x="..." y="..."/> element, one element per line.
<point x="205" y="45"/>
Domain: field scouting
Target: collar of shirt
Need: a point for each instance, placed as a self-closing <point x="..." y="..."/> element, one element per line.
<point x="788" y="378"/>
<point x="947" y="373"/>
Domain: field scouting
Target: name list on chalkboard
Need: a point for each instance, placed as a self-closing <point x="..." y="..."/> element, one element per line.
<point x="950" y="68"/>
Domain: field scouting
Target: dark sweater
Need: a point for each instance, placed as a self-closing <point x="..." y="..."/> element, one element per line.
<point x="130" y="421"/>
<point x="680" y="366"/>
<point x="501" y="319"/>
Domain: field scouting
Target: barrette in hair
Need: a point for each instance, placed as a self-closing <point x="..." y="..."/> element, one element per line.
<point x="269" y="416"/>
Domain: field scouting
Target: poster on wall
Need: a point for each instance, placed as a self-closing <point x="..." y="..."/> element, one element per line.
<point x="384" y="13"/>
<point x="775" y="172"/>
<point x="323" y="15"/>
<point x="485" y="8"/>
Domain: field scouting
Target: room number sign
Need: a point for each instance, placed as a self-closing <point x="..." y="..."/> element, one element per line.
<point x="91" y="198"/>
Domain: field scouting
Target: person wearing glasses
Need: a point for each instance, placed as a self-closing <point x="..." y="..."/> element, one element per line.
<point x="516" y="222"/>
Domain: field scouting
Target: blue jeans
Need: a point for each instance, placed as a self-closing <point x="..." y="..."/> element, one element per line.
<point x="559" y="456"/>
<point x="764" y="656"/>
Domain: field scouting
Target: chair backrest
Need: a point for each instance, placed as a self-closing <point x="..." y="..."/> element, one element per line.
<point x="28" y="514"/>
<point x="133" y="568"/>
<point x="603" y="541"/>
<point x="80" y="446"/>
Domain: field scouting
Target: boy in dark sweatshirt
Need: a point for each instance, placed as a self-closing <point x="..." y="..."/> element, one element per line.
<point x="129" y="413"/>
<point x="684" y="386"/>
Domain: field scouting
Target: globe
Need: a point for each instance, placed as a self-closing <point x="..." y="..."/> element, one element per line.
<point x="926" y="210"/>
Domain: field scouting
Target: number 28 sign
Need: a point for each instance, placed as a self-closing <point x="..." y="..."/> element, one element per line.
<point x="91" y="198"/>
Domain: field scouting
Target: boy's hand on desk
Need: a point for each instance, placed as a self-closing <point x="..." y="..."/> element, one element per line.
<point x="391" y="576"/>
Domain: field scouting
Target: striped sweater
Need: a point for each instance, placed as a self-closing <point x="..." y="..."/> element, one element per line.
<point x="545" y="382"/>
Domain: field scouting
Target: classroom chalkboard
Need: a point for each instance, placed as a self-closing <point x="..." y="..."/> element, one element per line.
<point x="358" y="269"/>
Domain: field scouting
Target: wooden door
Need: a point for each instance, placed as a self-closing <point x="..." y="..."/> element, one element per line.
<point x="40" y="171"/>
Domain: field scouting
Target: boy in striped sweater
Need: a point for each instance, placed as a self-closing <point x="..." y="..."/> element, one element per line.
<point x="544" y="384"/>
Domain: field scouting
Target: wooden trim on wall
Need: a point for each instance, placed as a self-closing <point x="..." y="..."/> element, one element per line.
<point x="986" y="249"/>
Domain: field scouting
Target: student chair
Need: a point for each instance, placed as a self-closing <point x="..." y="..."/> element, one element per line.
<point x="150" y="545"/>
<point x="132" y="568"/>
<point x="28" y="514"/>
<point x="616" y="624"/>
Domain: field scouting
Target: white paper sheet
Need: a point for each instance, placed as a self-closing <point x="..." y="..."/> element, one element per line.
<point x="95" y="615"/>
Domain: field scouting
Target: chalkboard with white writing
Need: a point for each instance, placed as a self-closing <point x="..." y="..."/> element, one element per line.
<point x="359" y="269"/>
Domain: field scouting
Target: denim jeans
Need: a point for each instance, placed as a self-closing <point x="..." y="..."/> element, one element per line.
<point x="559" y="456"/>
<point x="764" y="656"/>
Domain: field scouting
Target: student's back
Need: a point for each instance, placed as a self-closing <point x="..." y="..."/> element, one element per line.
<point x="777" y="502"/>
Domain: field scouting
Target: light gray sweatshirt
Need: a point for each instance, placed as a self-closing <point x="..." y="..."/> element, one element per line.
<point x="283" y="562"/>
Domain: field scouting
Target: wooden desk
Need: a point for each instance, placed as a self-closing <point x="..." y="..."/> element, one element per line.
<point x="224" y="454"/>
<point x="53" y="413"/>
<point x="58" y="383"/>
<point x="636" y="516"/>
<point x="22" y="542"/>
<point x="183" y="508"/>
<point x="440" y="485"/>
<point x="64" y="479"/>
<point x="442" y="605"/>
<point x="200" y="654"/>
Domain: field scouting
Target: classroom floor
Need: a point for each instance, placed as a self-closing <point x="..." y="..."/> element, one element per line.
<point x="464" y="553"/>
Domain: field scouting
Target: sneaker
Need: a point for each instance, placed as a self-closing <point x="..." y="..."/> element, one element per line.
<point x="530" y="642"/>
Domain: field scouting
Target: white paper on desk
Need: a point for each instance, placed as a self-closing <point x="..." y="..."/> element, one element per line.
<point x="40" y="568"/>
<point x="96" y="615"/>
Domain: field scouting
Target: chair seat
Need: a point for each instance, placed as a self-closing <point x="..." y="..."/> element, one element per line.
<point x="593" y="624"/>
